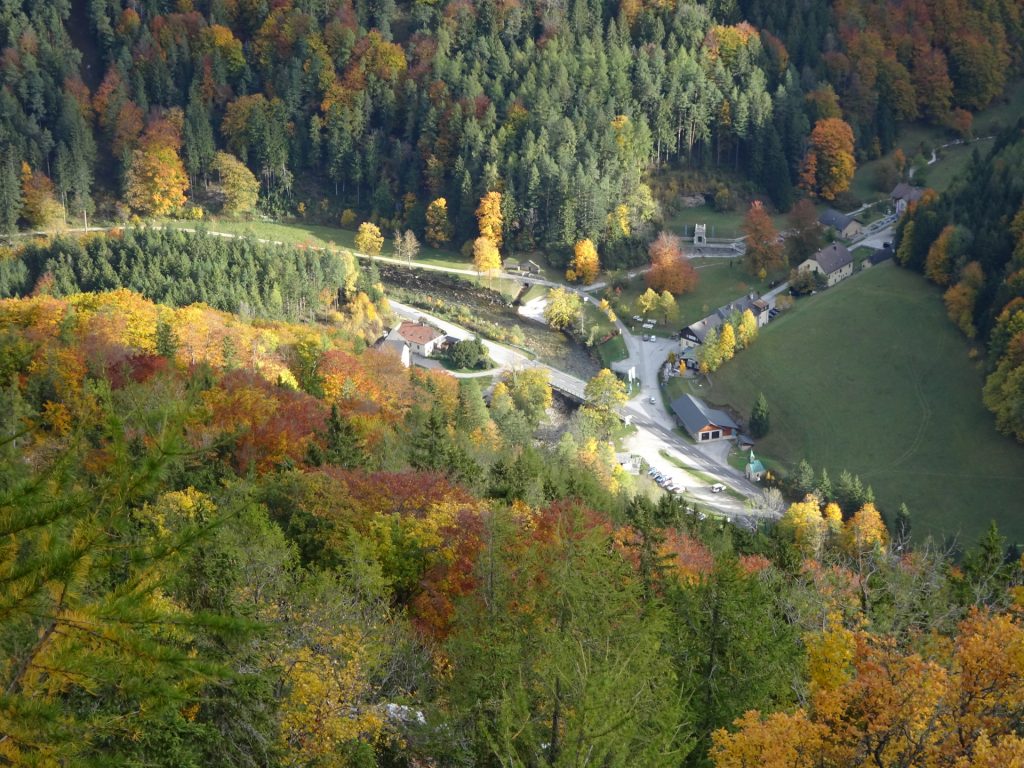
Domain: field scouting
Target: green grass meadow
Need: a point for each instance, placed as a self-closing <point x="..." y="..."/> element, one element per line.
<point x="872" y="377"/>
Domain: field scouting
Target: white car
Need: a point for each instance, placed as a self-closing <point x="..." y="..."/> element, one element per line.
<point x="717" y="488"/>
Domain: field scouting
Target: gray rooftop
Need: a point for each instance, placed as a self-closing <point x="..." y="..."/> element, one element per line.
<point x="695" y="414"/>
<point x="833" y="218"/>
<point x="833" y="257"/>
<point x="904" y="191"/>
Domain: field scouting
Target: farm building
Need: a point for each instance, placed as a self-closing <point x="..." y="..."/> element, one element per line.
<point x="702" y="422"/>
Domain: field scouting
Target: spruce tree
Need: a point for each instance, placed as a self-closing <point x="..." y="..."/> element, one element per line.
<point x="760" y="418"/>
<point x="10" y="191"/>
<point x="343" y="446"/>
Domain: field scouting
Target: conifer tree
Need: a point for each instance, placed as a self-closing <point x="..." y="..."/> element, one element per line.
<point x="760" y="420"/>
<point x="343" y="446"/>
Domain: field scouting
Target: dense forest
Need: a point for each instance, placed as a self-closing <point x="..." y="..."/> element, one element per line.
<point x="381" y="108"/>
<point x="232" y="542"/>
<point x="970" y="241"/>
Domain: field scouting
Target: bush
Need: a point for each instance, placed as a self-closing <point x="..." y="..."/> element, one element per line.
<point x="468" y="354"/>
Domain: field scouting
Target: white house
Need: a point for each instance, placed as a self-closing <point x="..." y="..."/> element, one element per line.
<point x="834" y="262"/>
<point x="420" y="337"/>
<point x="903" y="195"/>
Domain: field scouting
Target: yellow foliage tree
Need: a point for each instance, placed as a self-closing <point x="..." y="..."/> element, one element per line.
<point x="727" y="342"/>
<point x="241" y="189"/>
<point x="439" y="229"/>
<point x="864" y="530"/>
<point x="563" y="308"/>
<point x="369" y="239"/>
<point x="327" y="703"/>
<point x="585" y="264"/>
<point x="780" y="740"/>
<point x="804" y="523"/>
<point x="156" y="181"/>
<point x="486" y="258"/>
<point x="746" y="331"/>
<point x="833" y="518"/>
<point x="648" y="301"/>
<point x="489" y="219"/>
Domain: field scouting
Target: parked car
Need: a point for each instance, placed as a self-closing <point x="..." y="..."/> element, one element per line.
<point x="717" y="488"/>
<point x="652" y="337"/>
<point x="646" y="336"/>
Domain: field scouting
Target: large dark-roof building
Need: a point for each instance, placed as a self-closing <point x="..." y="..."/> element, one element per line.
<point x="702" y="422"/>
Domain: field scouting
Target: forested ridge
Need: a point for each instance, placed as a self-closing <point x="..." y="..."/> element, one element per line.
<point x="970" y="242"/>
<point x="382" y="108"/>
<point x="231" y="542"/>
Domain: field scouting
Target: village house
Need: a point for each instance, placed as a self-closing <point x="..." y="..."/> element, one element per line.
<point x="421" y="338"/>
<point x="833" y="262"/>
<point x="695" y="334"/>
<point x="903" y="195"/>
<point x="702" y="422"/>
<point x="844" y="226"/>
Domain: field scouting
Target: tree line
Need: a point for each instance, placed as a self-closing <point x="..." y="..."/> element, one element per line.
<point x="178" y="268"/>
<point x="385" y="109"/>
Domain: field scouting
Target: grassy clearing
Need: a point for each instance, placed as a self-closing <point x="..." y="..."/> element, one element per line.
<point x="720" y="223"/>
<point x="612" y="351"/>
<point x="721" y="281"/>
<point x="872" y="377"/>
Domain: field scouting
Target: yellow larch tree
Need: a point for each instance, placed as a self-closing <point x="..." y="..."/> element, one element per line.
<point x="804" y="523"/>
<point x="746" y="331"/>
<point x="439" y="228"/>
<point x="585" y="263"/>
<point x="489" y="219"/>
<point x="864" y="530"/>
<point x="727" y="342"/>
<point x="486" y="258"/>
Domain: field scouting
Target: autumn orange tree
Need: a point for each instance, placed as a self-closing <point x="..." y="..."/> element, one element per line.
<point x="585" y="264"/>
<point x="39" y="204"/>
<point x="156" y="180"/>
<point x="829" y="165"/>
<point x="764" y="251"/>
<point x="670" y="270"/>
<point x="875" y="703"/>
